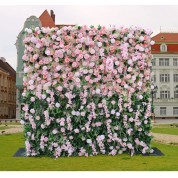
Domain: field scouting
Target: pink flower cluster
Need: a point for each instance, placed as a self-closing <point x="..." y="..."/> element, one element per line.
<point x="87" y="90"/>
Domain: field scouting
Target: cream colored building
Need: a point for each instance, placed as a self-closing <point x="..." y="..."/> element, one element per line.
<point x="165" y="74"/>
<point x="7" y="90"/>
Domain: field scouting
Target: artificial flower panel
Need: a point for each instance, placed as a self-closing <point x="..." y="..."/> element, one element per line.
<point x="87" y="91"/>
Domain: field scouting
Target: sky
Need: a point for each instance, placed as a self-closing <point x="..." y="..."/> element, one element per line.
<point x="12" y="18"/>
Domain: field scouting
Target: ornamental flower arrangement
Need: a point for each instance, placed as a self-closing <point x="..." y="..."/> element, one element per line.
<point x="87" y="91"/>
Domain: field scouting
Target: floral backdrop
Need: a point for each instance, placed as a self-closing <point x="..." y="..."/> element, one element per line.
<point x="87" y="91"/>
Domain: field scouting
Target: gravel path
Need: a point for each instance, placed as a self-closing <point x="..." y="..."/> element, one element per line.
<point x="165" y="138"/>
<point x="14" y="129"/>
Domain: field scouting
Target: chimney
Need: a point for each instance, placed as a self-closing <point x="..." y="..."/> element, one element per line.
<point x="52" y="15"/>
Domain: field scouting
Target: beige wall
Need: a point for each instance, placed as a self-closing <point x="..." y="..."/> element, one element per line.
<point x="7" y="96"/>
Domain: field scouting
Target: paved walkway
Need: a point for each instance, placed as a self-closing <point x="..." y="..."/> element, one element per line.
<point x="166" y="121"/>
<point x="14" y="129"/>
<point x="165" y="138"/>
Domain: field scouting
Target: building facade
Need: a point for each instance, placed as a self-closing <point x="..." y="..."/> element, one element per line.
<point x="45" y="20"/>
<point x="165" y="74"/>
<point x="7" y="90"/>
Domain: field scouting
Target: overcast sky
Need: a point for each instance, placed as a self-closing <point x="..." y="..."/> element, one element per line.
<point x="12" y="19"/>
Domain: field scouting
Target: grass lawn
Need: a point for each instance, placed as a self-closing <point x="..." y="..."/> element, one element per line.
<point x="170" y="129"/>
<point x="9" y="144"/>
<point x="10" y="123"/>
<point x="4" y="127"/>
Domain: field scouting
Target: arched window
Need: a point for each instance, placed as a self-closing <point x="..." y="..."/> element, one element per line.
<point x="163" y="48"/>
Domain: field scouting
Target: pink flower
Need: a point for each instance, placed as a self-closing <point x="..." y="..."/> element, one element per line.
<point x="32" y="111"/>
<point x="74" y="64"/>
<point x="62" y="129"/>
<point x="86" y="56"/>
<point x="59" y="88"/>
<point x="32" y="99"/>
<point x="76" y="130"/>
<point x="109" y="64"/>
<point x="77" y="80"/>
<point x="129" y="69"/>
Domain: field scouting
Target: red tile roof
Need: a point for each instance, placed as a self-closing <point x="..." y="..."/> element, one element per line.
<point x="166" y="37"/>
<point x="46" y="20"/>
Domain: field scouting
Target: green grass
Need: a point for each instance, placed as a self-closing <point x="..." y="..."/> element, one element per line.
<point x="170" y="129"/>
<point x="10" y="123"/>
<point x="4" y="127"/>
<point x="9" y="144"/>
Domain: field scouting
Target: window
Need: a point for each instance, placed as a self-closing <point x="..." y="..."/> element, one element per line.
<point x="175" y="94"/>
<point x="163" y="111"/>
<point x="163" y="48"/>
<point x="154" y="95"/>
<point x="153" y="78"/>
<point x="164" y="77"/>
<point x="165" y="94"/>
<point x="164" y="61"/>
<point x="175" y="62"/>
<point x="153" y="62"/>
<point x="175" y="77"/>
<point x="175" y="110"/>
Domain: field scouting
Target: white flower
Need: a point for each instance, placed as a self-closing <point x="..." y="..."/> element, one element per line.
<point x="126" y="86"/>
<point x="141" y="38"/>
<point x="55" y="131"/>
<point x="77" y="74"/>
<point x="31" y="82"/>
<point x="113" y="40"/>
<point x="89" y="141"/>
<point x="99" y="44"/>
<point x="77" y="113"/>
<point x="117" y="63"/>
<point x="113" y="111"/>
<point x="130" y="61"/>
<point x="152" y="87"/>
<point x="32" y="99"/>
<point x="22" y="122"/>
<point x="58" y="32"/>
<point x="102" y="137"/>
<point x="32" y="111"/>
<point x="58" y="67"/>
<point x="140" y="96"/>
<point x="43" y="96"/>
<point x="117" y="114"/>
<point x="129" y="35"/>
<point x="97" y="91"/>
<point x="141" y="48"/>
<point x="26" y="69"/>
<point x="140" y="83"/>
<point x="47" y="52"/>
<point x="53" y="37"/>
<point x="57" y="105"/>
<point x="37" y="117"/>
<point x="38" y="45"/>
<point x="152" y="42"/>
<point x="29" y="31"/>
<point x="73" y="113"/>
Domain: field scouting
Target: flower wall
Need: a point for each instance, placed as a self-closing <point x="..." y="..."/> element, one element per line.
<point x="87" y="91"/>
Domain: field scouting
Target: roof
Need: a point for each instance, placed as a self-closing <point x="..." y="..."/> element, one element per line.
<point x="6" y="67"/>
<point x="166" y="37"/>
<point x="46" y="20"/>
